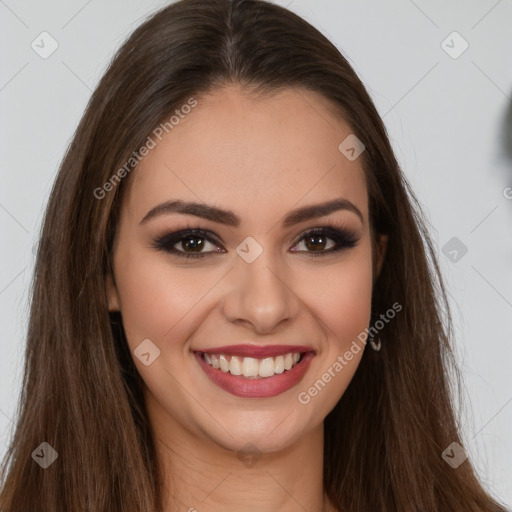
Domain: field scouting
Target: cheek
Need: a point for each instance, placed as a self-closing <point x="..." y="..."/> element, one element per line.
<point x="340" y="296"/>
<point x="156" y="295"/>
<point x="342" y="309"/>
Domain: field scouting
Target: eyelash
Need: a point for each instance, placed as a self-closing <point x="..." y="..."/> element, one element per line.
<point x="344" y="239"/>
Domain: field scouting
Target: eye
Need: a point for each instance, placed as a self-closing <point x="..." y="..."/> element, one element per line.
<point x="316" y="239"/>
<point x="191" y="243"/>
<point x="187" y="243"/>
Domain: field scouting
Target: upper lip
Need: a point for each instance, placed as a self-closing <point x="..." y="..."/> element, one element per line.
<point x="256" y="351"/>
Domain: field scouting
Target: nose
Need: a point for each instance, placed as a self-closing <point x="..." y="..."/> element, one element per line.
<point x="261" y="295"/>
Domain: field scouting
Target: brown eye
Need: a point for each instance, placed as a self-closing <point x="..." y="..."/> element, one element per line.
<point x="316" y="240"/>
<point x="192" y="243"/>
<point x="188" y="243"/>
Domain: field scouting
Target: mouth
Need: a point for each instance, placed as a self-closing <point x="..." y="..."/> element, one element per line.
<point x="255" y="377"/>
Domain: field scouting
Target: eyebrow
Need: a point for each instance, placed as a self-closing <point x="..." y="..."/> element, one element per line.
<point x="229" y="218"/>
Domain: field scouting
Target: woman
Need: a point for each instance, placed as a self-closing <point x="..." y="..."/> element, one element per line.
<point x="236" y="304"/>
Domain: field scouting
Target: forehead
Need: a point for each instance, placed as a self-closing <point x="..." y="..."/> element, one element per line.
<point x="259" y="156"/>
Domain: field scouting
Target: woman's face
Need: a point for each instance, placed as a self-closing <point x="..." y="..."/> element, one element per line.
<point x="255" y="277"/>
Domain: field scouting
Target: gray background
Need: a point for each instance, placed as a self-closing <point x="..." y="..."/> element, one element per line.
<point x="450" y="121"/>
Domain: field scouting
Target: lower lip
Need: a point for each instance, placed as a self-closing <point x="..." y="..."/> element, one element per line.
<point x="264" y="387"/>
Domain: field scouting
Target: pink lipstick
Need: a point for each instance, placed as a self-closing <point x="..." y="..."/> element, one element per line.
<point x="277" y="371"/>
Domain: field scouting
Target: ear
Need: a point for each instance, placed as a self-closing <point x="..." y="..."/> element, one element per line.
<point x="381" y="247"/>
<point x="112" y="294"/>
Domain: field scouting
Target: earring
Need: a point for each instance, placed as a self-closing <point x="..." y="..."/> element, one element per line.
<point x="376" y="346"/>
<point x="115" y="317"/>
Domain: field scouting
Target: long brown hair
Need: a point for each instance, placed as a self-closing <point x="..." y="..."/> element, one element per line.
<point x="81" y="392"/>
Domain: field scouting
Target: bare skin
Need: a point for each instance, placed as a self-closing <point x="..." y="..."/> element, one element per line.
<point x="259" y="158"/>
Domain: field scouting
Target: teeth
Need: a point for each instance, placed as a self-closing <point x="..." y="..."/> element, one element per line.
<point x="215" y="362"/>
<point x="224" y="363"/>
<point x="279" y="364"/>
<point x="253" y="368"/>
<point x="235" y="366"/>
<point x="266" y="367"/>
<point x="249" y="367"/>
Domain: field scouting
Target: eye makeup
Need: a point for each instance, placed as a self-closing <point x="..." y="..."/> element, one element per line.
<point x="195" y="239"/>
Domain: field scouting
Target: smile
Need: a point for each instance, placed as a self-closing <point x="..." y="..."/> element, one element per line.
<point x="252" y="377"/>
<point x="250" y="367"/>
